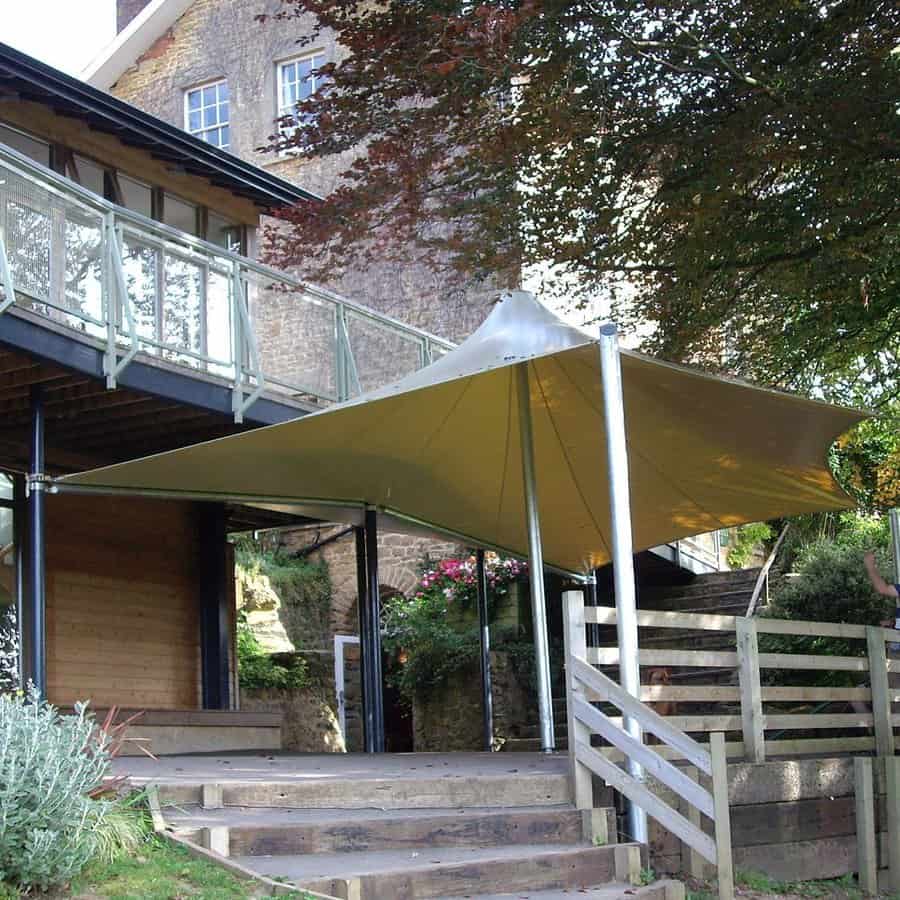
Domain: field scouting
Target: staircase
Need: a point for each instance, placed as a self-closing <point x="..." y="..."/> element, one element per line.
<point x="418" y="833"/>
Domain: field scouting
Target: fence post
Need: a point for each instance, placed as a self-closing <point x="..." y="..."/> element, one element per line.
<point x="751" y="693"/>
<point x="691" y="861"/>
<point x="724" y="869"/>
<point x="881" y="696"/>
<point x="866" y="853"/>
<point x="892" y="800"/>
<point x="576" y="647"/>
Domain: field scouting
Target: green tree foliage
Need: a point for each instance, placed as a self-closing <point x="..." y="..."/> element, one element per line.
<point x="867" y="461"/>
<point x="828" y="583"/>
<point x="727" y="171"/>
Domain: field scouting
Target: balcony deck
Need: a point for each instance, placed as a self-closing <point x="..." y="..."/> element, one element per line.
<point x="106" y="292"/>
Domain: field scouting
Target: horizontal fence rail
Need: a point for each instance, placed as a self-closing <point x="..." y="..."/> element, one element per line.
<point x="131" y="285"/>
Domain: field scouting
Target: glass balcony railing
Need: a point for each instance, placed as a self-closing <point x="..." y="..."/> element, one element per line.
<point x="139" y="287"/>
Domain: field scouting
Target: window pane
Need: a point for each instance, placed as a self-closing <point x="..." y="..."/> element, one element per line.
<point x="34" y="149"/>
<point x="193" y="99"/>
<point x="223" y="137"/>
<point x="179" y="214"/>
<point x="209" y="96"/>
<point x="136" y="196"/>
<point x="222" y="232"/>
<point x="90" y="174"/>
<point x="194" y="121"/>
<point x="210" y="116"/>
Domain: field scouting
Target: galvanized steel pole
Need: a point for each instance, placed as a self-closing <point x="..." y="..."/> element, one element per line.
<point x="894" y="516"/>
<point x="36" y="545"/>
<point x="535" y="563"/>
<point x="487" y="696"/>
<point x="622" y="547"/>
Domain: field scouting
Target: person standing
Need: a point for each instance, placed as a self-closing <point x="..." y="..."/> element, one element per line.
<point x="886" y="589"/>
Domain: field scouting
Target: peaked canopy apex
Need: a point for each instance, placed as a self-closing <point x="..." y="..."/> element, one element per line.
<point x="440" y="449"/>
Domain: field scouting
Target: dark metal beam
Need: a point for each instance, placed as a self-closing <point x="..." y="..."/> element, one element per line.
<point x="487" y="695"/>
<point x="36" y="544"/>
<point x="187" y="387"/>
<point x="215" y="630"/>
<point x="372" y="645"/>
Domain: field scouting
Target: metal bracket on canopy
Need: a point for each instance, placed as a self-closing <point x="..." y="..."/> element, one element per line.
<point x="9" y="292"/>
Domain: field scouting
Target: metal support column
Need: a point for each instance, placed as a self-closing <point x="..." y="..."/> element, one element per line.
<point x="535" y="563"/>
<point x="36" y="600"/>
<point x="487" y="695"/>
<point x="215" y="614"/>
<point x="365" y="690"/>
<point x="20" y="537"/>
<point x="894" y="516"/>
<point x="622" y="547"/>
<point x="370" y="642"/>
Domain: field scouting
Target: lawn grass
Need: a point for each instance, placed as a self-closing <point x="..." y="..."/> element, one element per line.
<point x="161" y="870"/>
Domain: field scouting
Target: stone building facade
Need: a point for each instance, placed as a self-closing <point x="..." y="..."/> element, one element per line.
<point x="223" y="40"/>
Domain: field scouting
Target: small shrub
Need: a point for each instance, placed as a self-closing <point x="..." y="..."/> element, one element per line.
<point x="258" y="671"/>
<point x="49" y="826"/>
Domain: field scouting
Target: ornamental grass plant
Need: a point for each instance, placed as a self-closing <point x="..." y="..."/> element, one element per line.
<point x="50" y="766"/>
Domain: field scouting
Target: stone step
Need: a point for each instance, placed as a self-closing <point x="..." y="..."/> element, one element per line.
<point x="519" y="786"/>
<point x="659" y="890"/>
<point x="441" y="872"/>
<point x="707" y="581"/>
<point x="279" y="832"/>
<point x="533" y="744"/>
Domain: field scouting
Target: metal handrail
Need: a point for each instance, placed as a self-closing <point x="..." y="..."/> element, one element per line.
<point x="762" y="580"/>
<point x="210" y="259"/>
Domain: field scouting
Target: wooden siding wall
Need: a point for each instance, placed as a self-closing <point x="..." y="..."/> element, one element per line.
<point x="122" y="602"/>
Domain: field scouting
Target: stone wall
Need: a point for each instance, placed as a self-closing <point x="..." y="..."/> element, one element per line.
<point x="400" y="560"/>
<point x="450" y="718"/>
<point x="309" y="716"/>
<point x="222" y="39"/>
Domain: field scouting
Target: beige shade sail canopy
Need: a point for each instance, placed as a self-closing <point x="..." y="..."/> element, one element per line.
<point x="440" y="449"/>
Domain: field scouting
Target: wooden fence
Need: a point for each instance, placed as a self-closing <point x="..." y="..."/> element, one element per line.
<point x="709" y="694"/>
<point x="754" y="711"/>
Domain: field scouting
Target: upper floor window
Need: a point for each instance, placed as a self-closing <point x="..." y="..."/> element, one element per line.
<point x="206" y="113"/>
<point x="297" y="81"/>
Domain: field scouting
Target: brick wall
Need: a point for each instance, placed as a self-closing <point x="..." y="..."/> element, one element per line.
<point x="221" y="38"/>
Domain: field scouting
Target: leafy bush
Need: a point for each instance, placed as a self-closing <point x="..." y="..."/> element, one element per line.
<point x="258" y="671"/>
<point x="748" y="538"/>
<point x="433" y="632"/>
<point x="830" y="584"/>
<point x="49" y="825"/>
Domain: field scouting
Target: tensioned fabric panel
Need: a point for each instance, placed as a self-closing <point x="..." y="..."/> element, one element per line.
<point x="441" y="447"/>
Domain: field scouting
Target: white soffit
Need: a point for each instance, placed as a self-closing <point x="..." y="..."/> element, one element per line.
<point x="153" y="21"/>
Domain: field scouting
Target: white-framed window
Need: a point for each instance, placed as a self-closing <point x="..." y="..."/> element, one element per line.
<point x="206" y="113"/>
<point x="297" y="81"/>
